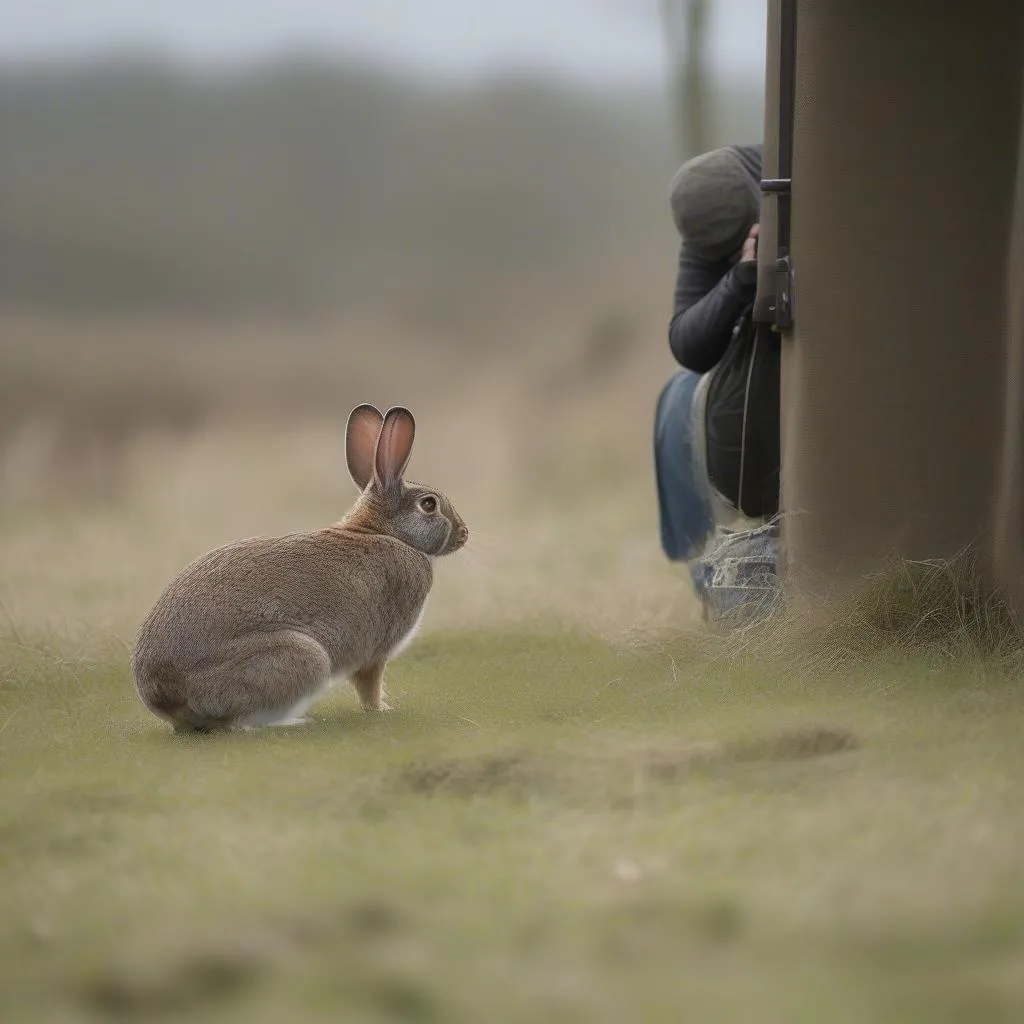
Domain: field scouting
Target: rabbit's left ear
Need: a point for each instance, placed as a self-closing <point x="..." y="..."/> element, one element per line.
<point x="394" y="446"/>
<point x="364" y="423"/>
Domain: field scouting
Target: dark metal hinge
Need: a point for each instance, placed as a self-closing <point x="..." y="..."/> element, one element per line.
<point x="784" y="293"/>
<point x="782" y="303"/>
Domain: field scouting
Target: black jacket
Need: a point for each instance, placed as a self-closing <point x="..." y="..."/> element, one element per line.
<point x="712" y="329"/>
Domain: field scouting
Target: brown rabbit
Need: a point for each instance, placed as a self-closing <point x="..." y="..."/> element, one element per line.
<point x="250" y="634"/>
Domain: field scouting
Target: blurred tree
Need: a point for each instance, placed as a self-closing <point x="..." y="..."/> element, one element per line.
<point x="685" y="27"/>
<point x="315" y="187"/>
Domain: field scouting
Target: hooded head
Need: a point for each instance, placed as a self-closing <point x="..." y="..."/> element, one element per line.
<point x="715" y="201"/>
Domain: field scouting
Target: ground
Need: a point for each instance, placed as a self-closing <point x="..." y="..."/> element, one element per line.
<point x="546" y="828"/>
<point x="582" y="808"/>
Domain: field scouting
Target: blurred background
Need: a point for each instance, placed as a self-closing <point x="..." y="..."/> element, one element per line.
<point x="225" y="223"/>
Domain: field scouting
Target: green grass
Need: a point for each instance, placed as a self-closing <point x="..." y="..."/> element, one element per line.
<point x="545" y="829"/>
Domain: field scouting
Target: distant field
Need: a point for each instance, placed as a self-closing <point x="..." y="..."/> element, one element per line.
<point x="297" y="187"/>
<point x="108" y="488"/>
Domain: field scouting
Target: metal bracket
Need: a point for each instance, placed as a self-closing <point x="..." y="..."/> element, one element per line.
<point x="782" y="306"/>
<point x="783" y="293"/>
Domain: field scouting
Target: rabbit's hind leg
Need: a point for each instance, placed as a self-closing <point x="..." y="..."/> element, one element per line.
<point x="267" y="679"/>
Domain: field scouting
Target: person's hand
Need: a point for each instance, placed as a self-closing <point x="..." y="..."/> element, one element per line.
<point x="748" y="254"/>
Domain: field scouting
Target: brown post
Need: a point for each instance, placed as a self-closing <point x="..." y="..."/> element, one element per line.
<point x="905" y="150"/>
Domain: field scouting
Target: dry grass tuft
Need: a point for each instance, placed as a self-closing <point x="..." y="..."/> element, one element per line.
<point x="939" y="609"/>
<point x="942" y="605"/>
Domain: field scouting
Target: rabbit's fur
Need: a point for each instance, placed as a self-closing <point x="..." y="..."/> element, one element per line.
<point x="250" y="634"/>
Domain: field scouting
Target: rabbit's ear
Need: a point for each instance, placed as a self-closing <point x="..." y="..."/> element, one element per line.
<point x="394" y="446"/>
<point x="364" y="423"/>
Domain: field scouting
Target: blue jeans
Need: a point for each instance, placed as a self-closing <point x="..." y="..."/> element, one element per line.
<point x="684" y="493"/>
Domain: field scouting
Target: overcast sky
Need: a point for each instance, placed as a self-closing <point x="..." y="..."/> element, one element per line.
<point x="584" y="39"/>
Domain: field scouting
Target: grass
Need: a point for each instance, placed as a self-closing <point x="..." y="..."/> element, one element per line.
<point x="548" y="828"/>
<point x="581" y="810"/>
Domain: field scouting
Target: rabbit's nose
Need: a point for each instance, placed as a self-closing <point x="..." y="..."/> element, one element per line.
<point x="462" y="533"/>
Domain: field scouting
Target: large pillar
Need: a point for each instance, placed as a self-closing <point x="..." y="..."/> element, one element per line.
<point x="905" y="149"/>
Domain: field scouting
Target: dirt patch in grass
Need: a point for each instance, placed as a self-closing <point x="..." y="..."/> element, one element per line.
<point x="185" y="981"/>
<point x="796" y="744"/>
<point x="184" y="986"/>
<point x="515" y="774"/>
<point x="632" y="927"/>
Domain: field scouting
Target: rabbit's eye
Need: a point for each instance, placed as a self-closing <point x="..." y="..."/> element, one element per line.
<point x="428" y="504"/>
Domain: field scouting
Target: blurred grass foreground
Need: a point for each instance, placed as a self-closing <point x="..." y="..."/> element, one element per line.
<point x="549" y="827"/>
<point x="583" y="809"/>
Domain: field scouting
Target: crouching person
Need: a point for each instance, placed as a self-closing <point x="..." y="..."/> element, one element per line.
<point x="716" y="437"/>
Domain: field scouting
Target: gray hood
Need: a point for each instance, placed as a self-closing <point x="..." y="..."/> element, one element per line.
<point x="715" y="199"/>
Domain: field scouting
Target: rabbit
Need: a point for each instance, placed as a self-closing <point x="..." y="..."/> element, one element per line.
<point x="252" y="633"/>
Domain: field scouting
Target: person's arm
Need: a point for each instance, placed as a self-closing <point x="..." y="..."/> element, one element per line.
<point x="709" y="299"/>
